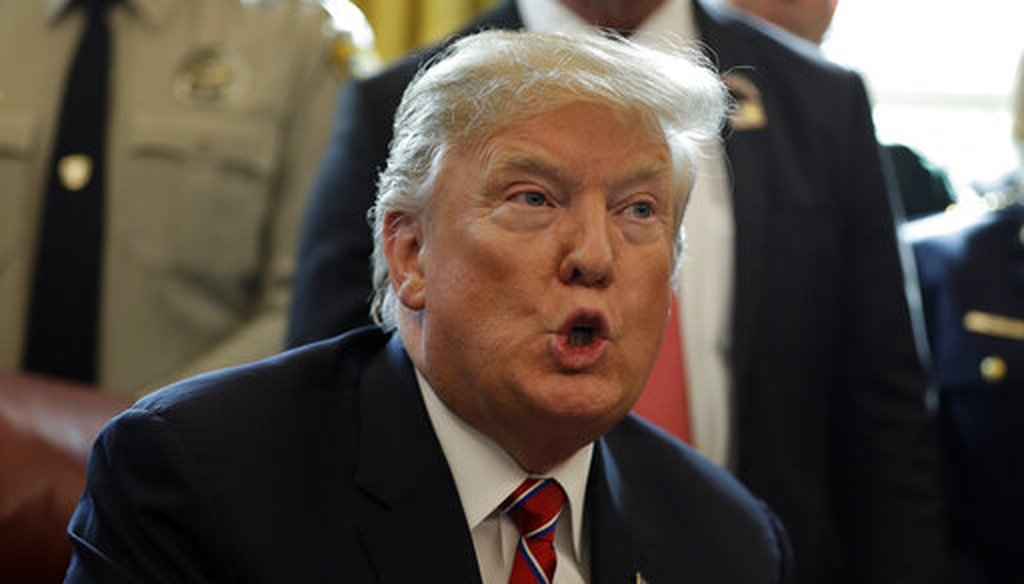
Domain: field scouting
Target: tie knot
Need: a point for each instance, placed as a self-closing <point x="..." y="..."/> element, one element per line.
<point x="534" y="507"/>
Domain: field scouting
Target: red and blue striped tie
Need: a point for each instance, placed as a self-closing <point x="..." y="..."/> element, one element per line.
<point x="535" y="507"/>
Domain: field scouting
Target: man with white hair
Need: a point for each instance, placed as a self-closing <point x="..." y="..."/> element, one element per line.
<point x="801" y="372"/>
<point x="542" y="179"/>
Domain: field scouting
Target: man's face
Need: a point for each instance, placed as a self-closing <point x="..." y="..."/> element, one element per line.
<point x="542" y="273"/>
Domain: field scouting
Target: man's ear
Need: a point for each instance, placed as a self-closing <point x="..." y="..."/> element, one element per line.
<point x="403" y="244"/>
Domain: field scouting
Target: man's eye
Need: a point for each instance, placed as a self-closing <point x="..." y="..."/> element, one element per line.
<point x="534" y="199"/>
<point x="641" y="210"/>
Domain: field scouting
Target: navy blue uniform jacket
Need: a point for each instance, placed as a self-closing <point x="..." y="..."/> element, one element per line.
<point x="978" y="267"/>
<point x="831" y="426"/>
<point x="321" y="466"/>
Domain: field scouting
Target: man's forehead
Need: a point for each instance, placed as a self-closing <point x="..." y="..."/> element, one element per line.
<point x="539" y="162"/>
<point x="520" y="150"/>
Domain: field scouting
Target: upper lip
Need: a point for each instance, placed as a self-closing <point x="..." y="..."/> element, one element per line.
<point x="585" y="317"/>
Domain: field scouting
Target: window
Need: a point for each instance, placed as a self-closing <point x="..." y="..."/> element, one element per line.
<point x="940" y="73"/>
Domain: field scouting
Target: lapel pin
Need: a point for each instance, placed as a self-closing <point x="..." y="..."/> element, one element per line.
<point x="749" y="113"/>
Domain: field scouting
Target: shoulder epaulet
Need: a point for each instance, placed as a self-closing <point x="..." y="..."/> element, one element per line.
<point x="1004" y="192"/>
<point x="350" y="42"/>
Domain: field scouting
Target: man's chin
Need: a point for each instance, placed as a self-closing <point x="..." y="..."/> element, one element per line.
<point x="583" y="399"/>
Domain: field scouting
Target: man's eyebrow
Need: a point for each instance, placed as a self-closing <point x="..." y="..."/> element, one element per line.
<point x="537" y="165"/>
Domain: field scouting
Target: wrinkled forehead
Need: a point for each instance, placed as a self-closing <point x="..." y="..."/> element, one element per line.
<point x="470" y="137"/>
<point x="477" y="146"/>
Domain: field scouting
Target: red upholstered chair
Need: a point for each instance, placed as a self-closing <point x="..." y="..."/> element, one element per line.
<point x="46" y="430"/>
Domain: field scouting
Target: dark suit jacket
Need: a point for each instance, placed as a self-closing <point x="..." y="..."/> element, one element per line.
<point x="923" y="187"/>
<point x="321" y="466"/>
<point x="979" y="266"/>
<point x="831" y="424"/>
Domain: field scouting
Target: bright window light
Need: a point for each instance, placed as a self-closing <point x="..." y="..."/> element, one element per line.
<point x="940" y="73"/>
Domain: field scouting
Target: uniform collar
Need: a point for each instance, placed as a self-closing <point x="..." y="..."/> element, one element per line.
<point x="152" y="12"/>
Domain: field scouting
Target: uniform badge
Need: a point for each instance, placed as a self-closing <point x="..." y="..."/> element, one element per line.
<point x="749" y="112"/>
<point x="209" y="76"/>
<point x="993" y="368"/>
<point x="994" y="325"/>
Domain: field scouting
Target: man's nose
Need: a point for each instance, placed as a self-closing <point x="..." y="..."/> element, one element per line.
<point x="588" y="249"/>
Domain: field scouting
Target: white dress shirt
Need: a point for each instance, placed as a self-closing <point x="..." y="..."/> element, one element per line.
<point x="485" y="476"/>
<point x="706" y="283"/>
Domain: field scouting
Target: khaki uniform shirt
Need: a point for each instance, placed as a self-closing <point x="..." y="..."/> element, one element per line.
<point x="220" y="109"/>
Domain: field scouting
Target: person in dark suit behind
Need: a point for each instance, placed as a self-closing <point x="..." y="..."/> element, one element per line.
<point x="809" y="343"/>
<point x="972" y="289"/>
<point x="923" y="187"/>
<point x="527" y="232"/>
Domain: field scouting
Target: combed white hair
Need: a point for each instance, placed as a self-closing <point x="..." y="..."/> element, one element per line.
<point x="488" y="81"/>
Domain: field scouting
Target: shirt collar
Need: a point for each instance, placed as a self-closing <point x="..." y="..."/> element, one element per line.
<point x="54" y="8"/>
<point x="153" y="12"/>
<point x="485" y="475"/>
<point x="674" y="18"/>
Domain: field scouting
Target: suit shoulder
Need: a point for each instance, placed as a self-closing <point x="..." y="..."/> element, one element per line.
<point x="323" y="367"/>
<point x="666" y="488"/>
<point x="960" y="226"/>
<point x="661" y="468"/>
<point x="775" y="49"/>
<point x="390" y="82"/>
<point x="666" y="460"/>
<point x="963" y="239"/>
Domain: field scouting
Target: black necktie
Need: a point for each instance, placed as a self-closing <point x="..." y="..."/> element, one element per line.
<point x="62" y="333"/>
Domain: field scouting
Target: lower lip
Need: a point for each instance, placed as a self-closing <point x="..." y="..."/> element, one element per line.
<point x="577" y="358"/>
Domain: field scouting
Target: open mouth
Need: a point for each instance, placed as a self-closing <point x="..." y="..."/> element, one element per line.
<point x="581" y="341"/>
<point x="584" y="327"/>
<point x="581" y="335"/>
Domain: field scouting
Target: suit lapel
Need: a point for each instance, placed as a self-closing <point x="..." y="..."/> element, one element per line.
<point x="746" y="152"/>
<point x="411" y="519"/>
<point x="615" y="556"/>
